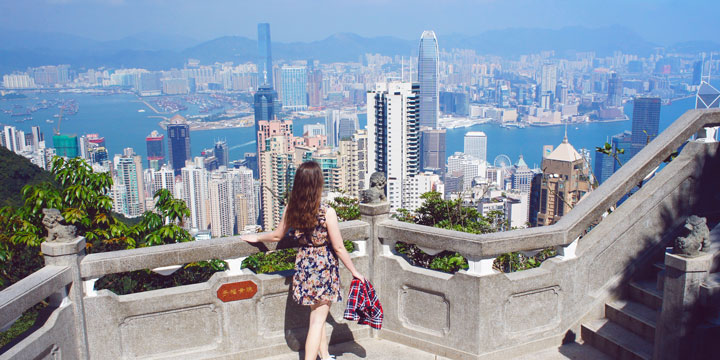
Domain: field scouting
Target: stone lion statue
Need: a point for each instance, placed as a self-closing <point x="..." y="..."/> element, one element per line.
<point x="696" y="240"/>
<point x="57" y="231"/>
<point x="376" y="193"/>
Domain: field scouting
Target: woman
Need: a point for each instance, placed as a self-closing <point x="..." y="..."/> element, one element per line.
<point x="316" y="282"/>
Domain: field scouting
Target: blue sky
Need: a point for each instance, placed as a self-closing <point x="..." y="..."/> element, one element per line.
<point x="661" y="21"/>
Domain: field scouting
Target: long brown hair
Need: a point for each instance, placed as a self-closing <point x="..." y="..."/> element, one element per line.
<point x="305" y="196"/>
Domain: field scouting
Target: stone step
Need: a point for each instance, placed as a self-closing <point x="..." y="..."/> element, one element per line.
<point x="660" y="280"/>
<point x="633" y="316"/>
<point x="616" y="341"/>
<point x="646" y="293"/>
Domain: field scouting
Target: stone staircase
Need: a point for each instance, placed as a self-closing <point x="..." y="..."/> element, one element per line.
<point x="628" y="329"/>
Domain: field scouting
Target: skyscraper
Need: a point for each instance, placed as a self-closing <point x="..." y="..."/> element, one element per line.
<point x="428" y="79"/>
<point x="394" y="137"/>
<point x="294" y="89"/>
<point x="222" y="205"/>
<point x="129" y="191"/>
<point x="615" y="90"/>
<point x="697" y="72"/>
<point x="476" y="144"/>
<point x="155" y="150"/>
<point x="432" y="150"/>
<point x="645" y="122"/>
<point x="265" y="100"/>
<point x="195" y="194"/>
<point x="178" y="143"/>
<point x="265" y="64"/>
<point x="548" y="79"/>
<point x="221" y="152"/>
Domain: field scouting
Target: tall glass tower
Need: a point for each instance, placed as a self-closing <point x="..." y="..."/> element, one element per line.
<point x="645" y="122"/>
<point x="265" y="64"/>
<point x="178" y="145"/>
<point x="428" y="79"/>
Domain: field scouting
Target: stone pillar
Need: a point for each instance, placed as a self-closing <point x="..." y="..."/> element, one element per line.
<point x="374" y="214"/>
<point x="69" y="254"/>
<point x="680" y="307"/>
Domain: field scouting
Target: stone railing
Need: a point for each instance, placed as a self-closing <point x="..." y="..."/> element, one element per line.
<point x="480" y="312"/>
<point x="467" y="315"/>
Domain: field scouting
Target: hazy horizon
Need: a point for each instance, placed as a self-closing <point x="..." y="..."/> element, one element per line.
<point x="660" y="21"/>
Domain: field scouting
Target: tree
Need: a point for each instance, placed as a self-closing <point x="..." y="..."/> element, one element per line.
<point x="81" y="196"/>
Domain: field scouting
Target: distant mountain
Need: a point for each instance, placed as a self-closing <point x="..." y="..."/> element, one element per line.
<point x="20" y="49"/>
<point x="513" y="42"/>
<point x="16" y="172"/>
<point x="227" y="48"/>
<point x="695" y="47"/>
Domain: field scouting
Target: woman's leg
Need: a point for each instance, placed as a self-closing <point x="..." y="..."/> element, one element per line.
<point x="324" y="351"/>
<point x="318" y="315"/>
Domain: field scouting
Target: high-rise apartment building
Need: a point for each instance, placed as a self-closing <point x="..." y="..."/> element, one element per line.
<point x="353" y="155"/>
<point x="314" y="90"/>
<point x="420" y="184"/>
<point x="432" y="151"/>
<point x="246" y="207"/>
<point x="9" y="138"/>
<point x="178" y="143"/>
<point x="475" y="144"/>
<point x="222" y="204"/>
<point x="128" y="185"/>
<point x="394" y="136"/>
<point x="645" y="122"/>
<point x="264" y="64"/>
<point x="155" y="150"/>
<point x="428" y="79"/>
<point x="615" y="90"/>
<point x="548" y="79"/>
<point x="195" y="193"/>
<point x="566" y="179"/>
<point x="294" y="89"/>
<point x="277" y="170"/>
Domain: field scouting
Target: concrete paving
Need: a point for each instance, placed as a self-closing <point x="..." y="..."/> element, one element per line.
<point x="375" y="349"/>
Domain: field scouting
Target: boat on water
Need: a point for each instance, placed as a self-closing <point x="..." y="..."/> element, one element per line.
<point x="141" y="110"/>
<point x="49" y="121"/>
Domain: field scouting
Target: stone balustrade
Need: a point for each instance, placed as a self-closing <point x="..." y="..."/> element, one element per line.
<point x="467" y="315"/>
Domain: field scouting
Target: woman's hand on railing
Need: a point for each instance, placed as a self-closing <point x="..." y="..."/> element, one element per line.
<point x="251" y="238"/>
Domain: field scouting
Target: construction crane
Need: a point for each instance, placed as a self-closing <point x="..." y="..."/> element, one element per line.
<point x="57" y="131"/>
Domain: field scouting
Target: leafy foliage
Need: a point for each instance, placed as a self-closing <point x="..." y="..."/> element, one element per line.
<point x="146" y="280"/>
<point x="81" y="196"/>
<point x="23" y="324"/>
<point x="280" y="260"/>
<point x="346" y="208"/>
<point x="445" y="261"/>
<point x="452" y="215"/>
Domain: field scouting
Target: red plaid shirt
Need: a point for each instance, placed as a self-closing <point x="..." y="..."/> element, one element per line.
<point x="363" y="305"/>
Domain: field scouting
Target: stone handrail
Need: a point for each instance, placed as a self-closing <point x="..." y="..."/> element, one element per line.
<point x="97" y="265"/>
<point x="573" y="224"/>
<point x="31" y="290"/>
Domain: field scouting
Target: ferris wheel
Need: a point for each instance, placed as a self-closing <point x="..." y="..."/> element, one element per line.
<point x="502" y="161"/>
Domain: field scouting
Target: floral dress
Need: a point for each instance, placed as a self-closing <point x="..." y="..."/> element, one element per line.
<point x="317" y="276"/>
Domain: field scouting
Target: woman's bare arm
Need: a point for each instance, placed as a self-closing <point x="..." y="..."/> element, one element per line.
<point x="336" y="241"/>
<point x="273" y="236"/>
